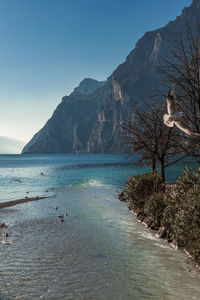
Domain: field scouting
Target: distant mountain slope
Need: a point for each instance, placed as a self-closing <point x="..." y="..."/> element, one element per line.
<point x="10" y="146"/>
<point x="87" y="121"/>
<point x="87" y="86"/>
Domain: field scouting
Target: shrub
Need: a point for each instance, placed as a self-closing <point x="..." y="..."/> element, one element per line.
<point x="186" y="181"/>
<point x="154" y="207"/>
<point x="187" y="221"/>
<point x="182" y="213"/>
<point x="177" y="210"/>
<point x="139" y="188"/>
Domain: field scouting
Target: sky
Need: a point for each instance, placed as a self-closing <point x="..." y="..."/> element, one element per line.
<point x="48" y="46"/>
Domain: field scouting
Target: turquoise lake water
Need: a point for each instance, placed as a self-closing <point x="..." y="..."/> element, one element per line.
<point x="100" y="251"/>
<point x="63" y="171"/>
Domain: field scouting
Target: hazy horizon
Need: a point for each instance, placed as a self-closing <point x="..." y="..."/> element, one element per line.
<point x="10" y="146"/>
<point x="49" y="46"/>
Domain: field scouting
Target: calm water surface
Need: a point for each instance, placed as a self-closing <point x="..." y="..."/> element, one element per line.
<point x="100" y="251"/>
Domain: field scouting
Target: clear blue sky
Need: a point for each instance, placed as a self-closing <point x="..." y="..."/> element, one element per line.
<point x="48" y="46"/>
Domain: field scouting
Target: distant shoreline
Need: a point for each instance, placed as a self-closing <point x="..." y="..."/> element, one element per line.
<point x="20" y="201"/>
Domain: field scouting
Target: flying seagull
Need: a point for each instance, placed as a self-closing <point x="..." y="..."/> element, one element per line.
<point x="175" y="116"/>
<point x="18" y="180"/>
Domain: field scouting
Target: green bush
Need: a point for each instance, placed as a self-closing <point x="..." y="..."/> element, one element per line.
<point x="181" y="216"/>
<point x="187" y="180"/>
<point x="138" y="189"/>
<point x="154" y="207"/>
<point x="177" y="210"/>
<point x="186" y="226"/>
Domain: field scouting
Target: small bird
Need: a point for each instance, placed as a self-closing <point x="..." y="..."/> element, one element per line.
<point x="17" y="180"/>
<point x="3" y="225"/>
<point x="61" y="218"/>
<point x="175" y="116"/>
<point x="4" y="234"/>
<point x="42" y="173"/>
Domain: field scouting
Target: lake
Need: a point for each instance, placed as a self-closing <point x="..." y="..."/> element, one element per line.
<point x="100" y="251"/>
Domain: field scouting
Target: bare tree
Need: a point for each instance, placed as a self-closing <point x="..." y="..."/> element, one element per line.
<point x="155" y="143"/>
<point x="182" y="71"/>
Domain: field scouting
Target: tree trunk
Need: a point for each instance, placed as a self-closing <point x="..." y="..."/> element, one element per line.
<point x="154" y="171"/>
<point x="154" y="166"/>
<point x="163" y="174"/>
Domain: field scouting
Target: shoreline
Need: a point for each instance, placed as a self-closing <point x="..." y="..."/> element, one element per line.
<point x="20" y="201"/>
<point x="161" y="233"/>
<point x="159" y="230"/>
<point x="172" y="212"/>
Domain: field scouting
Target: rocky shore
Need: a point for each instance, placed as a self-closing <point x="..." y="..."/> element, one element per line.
<point x="173" y="214"/>
<point x="161" y="230"/>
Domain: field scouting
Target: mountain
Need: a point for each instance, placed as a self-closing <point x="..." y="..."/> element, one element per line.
<point x="87" y="86"/>
<point x="87" y="121"/>
<point x="10" y="146"/>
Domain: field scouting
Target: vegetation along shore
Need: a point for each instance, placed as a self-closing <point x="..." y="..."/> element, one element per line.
<point x="173" y="213"/>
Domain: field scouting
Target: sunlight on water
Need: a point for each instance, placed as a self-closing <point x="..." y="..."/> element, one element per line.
<point x="94" y="182"/>
<point x="60" y="172"/>
<point x="99" y="251"/>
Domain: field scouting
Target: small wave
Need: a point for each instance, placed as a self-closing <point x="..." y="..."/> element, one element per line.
<point x="149" y="236"/>
<point x="162" y="246"/>
<point x="95" y="183"/>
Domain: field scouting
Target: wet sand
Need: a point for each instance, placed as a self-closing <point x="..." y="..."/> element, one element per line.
<point x="19" y="201"/>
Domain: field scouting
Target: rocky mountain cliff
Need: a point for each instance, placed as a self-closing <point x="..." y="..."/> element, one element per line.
<point x="87" y="121"/>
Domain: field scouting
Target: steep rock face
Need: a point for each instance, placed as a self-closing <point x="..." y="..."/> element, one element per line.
<point x="68" y="129"/>
<point x="88" y="120"/>
<point x="106" y="134"/>
<point x="139" y="75"/>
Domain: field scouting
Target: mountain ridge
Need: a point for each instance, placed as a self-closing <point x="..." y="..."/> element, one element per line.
<point x="89" y="123"/>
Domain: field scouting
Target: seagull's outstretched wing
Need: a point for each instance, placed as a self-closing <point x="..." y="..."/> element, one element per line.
<point x="171" y="104"/>
<point x="182" y="125"/>
<point x="17" y="180"/>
